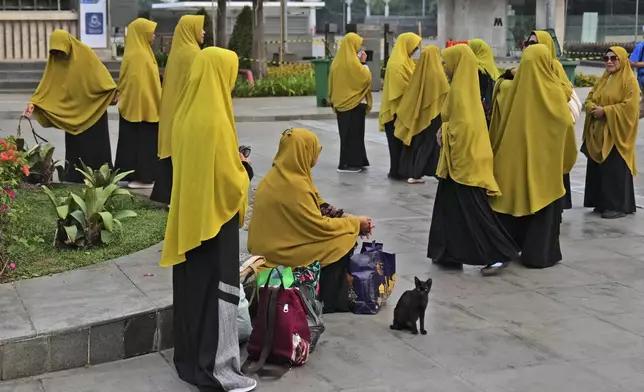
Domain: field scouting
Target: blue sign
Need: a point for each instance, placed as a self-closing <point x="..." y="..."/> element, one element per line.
<point x="94" y="24"/>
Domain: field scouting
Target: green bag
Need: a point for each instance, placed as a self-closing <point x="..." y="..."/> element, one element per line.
<point x="287" y="277"/>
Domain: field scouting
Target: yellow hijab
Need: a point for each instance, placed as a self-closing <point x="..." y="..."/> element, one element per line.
<point x="349" y="81"/>
<point x="619" y="94"/>
<point x="484" y="57"/>
<point x="535" y="144"/>
<point x="424" y="98"/>
<point x="543" y="37"/>
<point x="185" y="46"/>
<point x="466" y="156"/>
<point x="287" y="227"/>
<point x="210" y="184"/>
<point x="74" y="91"/>
<point x="499" y="101"/>
<point x="400" y="67"/>
<point x="139" y="82"/>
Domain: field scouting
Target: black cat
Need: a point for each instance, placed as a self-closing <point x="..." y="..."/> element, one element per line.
<point x="411" y="307"/>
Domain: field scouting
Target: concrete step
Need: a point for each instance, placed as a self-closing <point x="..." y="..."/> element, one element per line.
<point x="35" y="74"/>
<point x="10" y="65"/>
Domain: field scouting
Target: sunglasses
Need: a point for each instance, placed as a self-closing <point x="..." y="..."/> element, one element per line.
<point x="531" y="42"/>
<point x="610" y="58"/>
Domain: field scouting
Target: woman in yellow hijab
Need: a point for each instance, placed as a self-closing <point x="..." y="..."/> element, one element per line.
<point x="399" y="68"/>
<point x="209" y="200"/>
<point x="419" y="119"/>
<point x="290" y="225"/>
<point x="79" y="107"/>
<point x="140" y="89"/>
<point x="188" y="35"/>
<point x="488" y="73"/>
<point x="609" y="139"/>
<point x="464" y="229"/>
<point x="534" y="146"/>
<point x="350" y="95"/>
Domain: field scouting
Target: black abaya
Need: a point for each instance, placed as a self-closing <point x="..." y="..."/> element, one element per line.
<point x="537" y="235"/>
<point x="566" y="201"/>
<point x="351" y="125"/>
<point x="91" y="146"/>
<point x="334" y="286"/>
<point x="421" y="158"/>
<point x="137" y="150"/>
<point x="162" y="190"/>
<point x="609" y="185"/>
<point x="206" y="296"/>
<point x="465" y="230"/>
<point x="395" y="150"/>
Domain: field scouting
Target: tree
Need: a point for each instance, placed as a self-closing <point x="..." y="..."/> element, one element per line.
<point x="207" y="27"/>
<point x="241" y="40"/>
<point x="259" y="55"/>
<point x="221" y="24"/>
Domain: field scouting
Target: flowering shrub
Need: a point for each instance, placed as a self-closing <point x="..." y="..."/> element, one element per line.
<point x="289" y="80"/>
<point x="13" y="168"/>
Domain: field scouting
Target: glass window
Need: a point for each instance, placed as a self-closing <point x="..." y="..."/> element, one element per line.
<point x="36" y="5"/>
<point x="603" y="20"/>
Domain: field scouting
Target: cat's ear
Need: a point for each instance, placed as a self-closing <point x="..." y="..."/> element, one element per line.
<point x="416" y="282"/>
<point x="429" y="283"/>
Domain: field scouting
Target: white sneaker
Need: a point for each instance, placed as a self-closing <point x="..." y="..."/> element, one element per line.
<point x="349" y="170"/>
<point x="415" y="181"/>
<point x="246" y="389"/>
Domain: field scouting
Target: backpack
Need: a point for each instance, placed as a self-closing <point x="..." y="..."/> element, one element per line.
<point x="281" y="334"/>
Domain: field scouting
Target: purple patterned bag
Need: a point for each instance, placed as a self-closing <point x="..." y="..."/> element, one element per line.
<point x="373" y="276"/>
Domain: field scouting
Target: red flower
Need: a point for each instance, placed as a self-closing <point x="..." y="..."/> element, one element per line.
<point x="25" y="170"/>
<point x="3" y="208"/>
<point x="4" y="156"/>
<point x="12" y="194"/>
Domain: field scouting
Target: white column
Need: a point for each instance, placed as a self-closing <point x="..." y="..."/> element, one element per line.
<point x="560" y="21"/>
<point x="348" y="10"/>
<point x="541" y="15"/>
<point x="444" y="14"/>
<point x="387" y="7"/>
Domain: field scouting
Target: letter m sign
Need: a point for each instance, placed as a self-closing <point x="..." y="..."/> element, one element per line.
<point x="498" y="22"/>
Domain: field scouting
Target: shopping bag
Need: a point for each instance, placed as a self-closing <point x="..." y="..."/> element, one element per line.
<point x="373" y="277"/>
<point x="273" y="277"/>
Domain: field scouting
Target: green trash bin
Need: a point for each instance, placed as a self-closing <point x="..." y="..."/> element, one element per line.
<point x="569" y="66"/>
<point x="321" y="68"/>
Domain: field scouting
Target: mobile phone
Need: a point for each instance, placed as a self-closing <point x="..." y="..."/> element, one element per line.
<point x="245" y="151"/>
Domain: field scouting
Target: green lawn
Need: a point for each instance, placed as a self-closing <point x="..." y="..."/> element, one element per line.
<point x="37" y="225"/>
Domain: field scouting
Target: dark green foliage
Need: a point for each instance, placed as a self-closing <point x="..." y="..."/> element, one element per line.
<point x="209" y="39"/>
<point x="241" y="40"/>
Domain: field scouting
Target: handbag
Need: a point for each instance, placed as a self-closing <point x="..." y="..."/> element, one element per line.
<point x="281" y="334"/>
<point x="20" y="141"/>
<point x="307" y="280"/>
<point x="373" y="277"/>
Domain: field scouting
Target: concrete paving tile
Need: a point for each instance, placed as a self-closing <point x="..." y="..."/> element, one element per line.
<point x="81" y="297"/>
<point x="149" y="373"/>
<point x="541" y="378"/>
<point x="520" y="308"/>
<point x="480" y="350"/>
<point x="560" y="275"/>
<point x="300" y="379"/>
<point x="632" y="322"/>
<point x="15" y="322"/>
<point x="355" y="352"/>
<point x="628" y="372"/>
<point x="598" y="299"/>
<point x="591" y="229"/>
<point x="423" y="383"/>
<point x="626" y="270"/>
<point x="143" y="270"/>
<point x="21" y="386"/>
<point x="468" y="282"/>
<point x="628" y="246"/>
<point x="581" y="251"/>
<point x="582" y="339"/>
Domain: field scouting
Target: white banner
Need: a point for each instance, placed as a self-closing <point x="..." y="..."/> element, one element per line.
<point x="93" y="23"/>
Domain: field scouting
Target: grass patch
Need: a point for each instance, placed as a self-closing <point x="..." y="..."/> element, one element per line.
<point x="37" y="226"/>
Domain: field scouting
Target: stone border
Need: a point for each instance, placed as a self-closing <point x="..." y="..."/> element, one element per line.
<point x="114" y="340"/>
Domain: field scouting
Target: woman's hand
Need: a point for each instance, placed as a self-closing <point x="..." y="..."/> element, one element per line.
<point x="439" y="137"/>
<point x="366" y="226"/>
<point x="29" y="110"/>
<point x="597" y="111"/>
<point x="116" y="99"/>
<point x="244" y="159"/>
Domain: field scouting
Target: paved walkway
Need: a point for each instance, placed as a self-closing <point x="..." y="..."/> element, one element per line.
<point x="578" y="326"/>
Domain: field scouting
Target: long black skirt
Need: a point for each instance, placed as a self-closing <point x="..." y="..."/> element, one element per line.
<point x="566" y="200"/>
<point x="537" y="235"/>
<point x="609" y="185"/>
<point x="395" y="150"/>
<point x="206" y="294"/>
<point x="351" y="125"/>
<point x="465" y="229"/>
<point x="92" y="147"/>
<point x="334" y="286"/>
<point x="421" y="157"/>
<point x="162" y="190"/>
<point x="137" y="150"/>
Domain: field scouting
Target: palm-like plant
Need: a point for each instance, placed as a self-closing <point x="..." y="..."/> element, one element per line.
<point x="102" y="177"/>
<point x="42" y="165"/>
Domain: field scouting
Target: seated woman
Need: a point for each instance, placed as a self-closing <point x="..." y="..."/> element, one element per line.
<point x="610" y="133"/>
<point x="292" y="226"/>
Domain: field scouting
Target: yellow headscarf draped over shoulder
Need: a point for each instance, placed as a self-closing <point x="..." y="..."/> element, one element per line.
<point x="139" y="82"/>
<point x="619" y="94"/>
<point x="349" y="81"/>
<point x="424" y="97"/>
<point x="535" y="145"/>
<point x="287" y="226"/>
<point x="499" y="102"/>
<point x="484" y="57"/>
<point x="466" y="156"/>
<point x="546" y="39"/>
<point x="185" y="46"/>
<point x="400" y="67"/>
<point x="210" y="184"/>
<point x="75" y="91"/>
